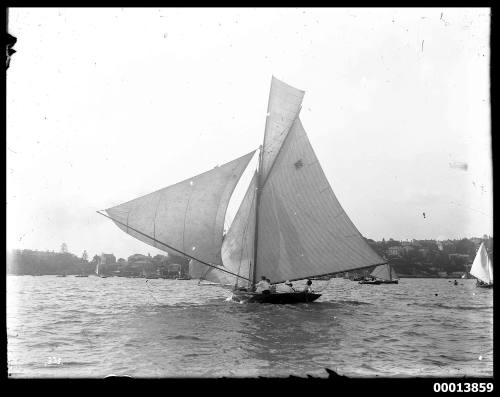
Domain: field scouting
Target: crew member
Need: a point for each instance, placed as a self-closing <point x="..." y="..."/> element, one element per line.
<point x="288" y="287"/>
<point x="272" y="288"/>
<point x="262" y="285"/>
<point x="308" y="287"/>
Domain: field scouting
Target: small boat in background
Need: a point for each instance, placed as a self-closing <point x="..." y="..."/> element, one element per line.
<point x="482" y="268"/>
<point x="385" y="274"/>
<point x="370" y="282"/>
<point x="97" y="272"/>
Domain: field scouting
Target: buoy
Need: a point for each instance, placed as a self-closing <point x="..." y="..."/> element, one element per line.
<point x="436" y="294"/>
<point x="480" y="357"/>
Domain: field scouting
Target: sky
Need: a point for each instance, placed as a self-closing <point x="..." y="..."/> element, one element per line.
<point x="107" y="104"/>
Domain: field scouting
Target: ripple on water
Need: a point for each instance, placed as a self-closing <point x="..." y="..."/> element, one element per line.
<point x="174" y="328"/>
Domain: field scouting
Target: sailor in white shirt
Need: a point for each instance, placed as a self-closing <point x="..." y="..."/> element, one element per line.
<point x="288" y="287"/>
<point x="262" y="285"/>
<point x="308" y="287"/>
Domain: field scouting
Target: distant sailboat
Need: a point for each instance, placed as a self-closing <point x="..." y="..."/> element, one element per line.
<point x="385" y="274"/>
<point x="289" y="226"/>
<point x="482" y="268"/>
<point x="97" y="271"/>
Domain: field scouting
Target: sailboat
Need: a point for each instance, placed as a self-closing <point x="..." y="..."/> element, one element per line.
<point x="289" y="225"/>
<point x="384" y="274"/>
<point x="97" y="271"/>
<point x="482" y="268"/>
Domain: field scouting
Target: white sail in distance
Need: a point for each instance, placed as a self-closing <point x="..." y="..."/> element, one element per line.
<point x="384" y="272"/>
<point x="482" y="267"/>
<point x="188" y="216"/>
<point x="302" y="229"/>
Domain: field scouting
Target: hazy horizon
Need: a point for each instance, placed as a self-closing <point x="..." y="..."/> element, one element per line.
<point x="106" y="105"/>
<point x="147" y="251"/>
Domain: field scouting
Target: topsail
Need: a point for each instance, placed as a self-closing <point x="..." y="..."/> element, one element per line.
<point x="283" y="107"/>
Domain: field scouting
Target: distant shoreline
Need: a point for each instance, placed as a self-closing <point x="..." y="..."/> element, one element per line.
<point x="452" y="277"/>
<point x="74" y="275"/>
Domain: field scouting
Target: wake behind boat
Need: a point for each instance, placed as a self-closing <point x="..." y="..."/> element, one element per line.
<point x="289" y="226"/>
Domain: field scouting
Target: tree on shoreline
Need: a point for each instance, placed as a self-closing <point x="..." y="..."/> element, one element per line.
<point x="64" y="248"/>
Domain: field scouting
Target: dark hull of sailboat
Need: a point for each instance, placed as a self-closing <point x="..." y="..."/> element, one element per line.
<point x="484" y="285"/>
<point x="282" y="298"/>
<point x="388" y="281"/>
<point x="370" y="282"/>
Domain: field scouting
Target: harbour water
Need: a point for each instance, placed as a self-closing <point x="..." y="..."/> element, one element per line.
<point x="95" y="327"/>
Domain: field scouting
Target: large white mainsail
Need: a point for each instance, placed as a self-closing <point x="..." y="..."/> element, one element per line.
<point x="303" y="230"/>
<point x="384" y="272"/>
<point x="482" y="267"/>
<point x="188" y="216"/>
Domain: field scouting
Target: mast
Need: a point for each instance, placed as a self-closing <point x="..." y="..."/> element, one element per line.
<point x="256" y="234"/>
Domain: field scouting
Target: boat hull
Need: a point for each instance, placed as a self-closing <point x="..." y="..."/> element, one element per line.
<point x="369" y="282"/>
<point x="275" y="298"/>
<point x="484" y="285"/>
<point x="388" y="281"/>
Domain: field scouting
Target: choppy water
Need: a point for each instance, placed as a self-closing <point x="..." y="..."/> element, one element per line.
<point x="94" y="327"/>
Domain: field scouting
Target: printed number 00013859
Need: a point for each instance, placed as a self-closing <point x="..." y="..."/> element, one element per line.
<point x="462" y="387"/>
